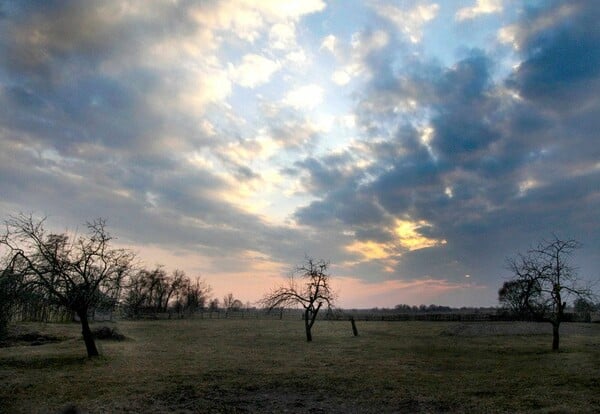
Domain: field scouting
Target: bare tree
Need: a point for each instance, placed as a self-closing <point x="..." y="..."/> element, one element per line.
<point x="192" y="296"/>
<point x="228" y="300"/>
<point x="213" y="305"/>
<point x="77" y="272"/>
<point x="154" y="291"/>
<point x="545" y="279"/>
<point x="311" y="292"/>
<point x="230" y="303"/>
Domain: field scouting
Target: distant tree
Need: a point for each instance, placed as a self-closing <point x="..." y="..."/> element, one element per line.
<point x="513" y="297"/>
<point x="196" y="295"/>
<point x="158" y="289"/>
<point x="145" y="292"/>
<point x="213" y="305"/>
<point x="228" y="300"/>
<point x="311" y="292"/>
<point x="154" y="291"/>
<point x="544" y="279"/>
<point x="403" y="308"/>
<point x="230" y="303"/>
<point x="77" y="272"/>
<point x="583" y="305"/>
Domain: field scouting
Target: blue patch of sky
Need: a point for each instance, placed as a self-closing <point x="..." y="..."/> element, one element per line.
<point x="448" y="40"/>
<point x="341" y="18"/>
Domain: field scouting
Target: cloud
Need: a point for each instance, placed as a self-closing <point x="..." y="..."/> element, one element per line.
<point x="559" y="50"/>
<point x="304" y="97"/>
<point x="288" y="126"/>
<point x="286" y="10"/>
<point x="328" y="43"/>
<point x="248" y="19"/>
<point x="340" y="77"/>
<point x="353" y="57"/>
<point x="479" y="161"/>
<point x="480" y="7"/>
<point x="109" y="103"/>
<point x="254" y="70"/>
<point x="540" y="20"/>
<point x="282" y="36"/>
<point x="409" y="22"/>
<point x="393" y="292"/>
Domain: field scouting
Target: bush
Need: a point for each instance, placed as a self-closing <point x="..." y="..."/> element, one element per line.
<point x="106" y="332"/>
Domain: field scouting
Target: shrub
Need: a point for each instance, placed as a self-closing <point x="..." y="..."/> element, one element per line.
<point x="106" y="332"/>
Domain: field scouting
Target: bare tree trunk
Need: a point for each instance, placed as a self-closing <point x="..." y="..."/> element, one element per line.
<point x="308" y="326"/>
<point x="555" y="336"/>
<point x="88" y="337"/>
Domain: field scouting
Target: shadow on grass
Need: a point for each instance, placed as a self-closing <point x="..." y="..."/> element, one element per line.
<point x="30" y="338"/>
<point x="44" y="362"/>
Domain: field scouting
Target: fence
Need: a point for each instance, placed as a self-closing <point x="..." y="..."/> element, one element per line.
<point x="31" y="313"/>
<point x="56" y="314"/>
<point x="223" y="314"/>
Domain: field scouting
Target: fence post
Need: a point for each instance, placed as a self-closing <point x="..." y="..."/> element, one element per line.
<point x="354" y="330"/>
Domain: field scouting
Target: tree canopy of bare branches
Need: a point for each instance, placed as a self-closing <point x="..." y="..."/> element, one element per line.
<point x="154" y="291"/>
<point x="77" y="272"/>
<point x="230" y="303"/>
<point x="544" y="280"/>
<point x="308" y="286"/>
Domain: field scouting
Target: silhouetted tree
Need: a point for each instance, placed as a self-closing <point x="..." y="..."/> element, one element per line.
<point x="213" y="305"/>
<point x="513" y="297"/>
<point x="154" y="291"/>
<point x="228" y="300"/>
<point x="230" y="303"/>
<point x="196" y="295"/>
<point x="583" y="305"/>
<point x="311" y="292"/>
<point x="544" y="279"/>
<point x="75" y="272"/>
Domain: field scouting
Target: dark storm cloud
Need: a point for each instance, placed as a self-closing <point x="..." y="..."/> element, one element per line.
<point x="335" y="179"/>
<point x="497" y="172"/>
<point x="562" y="59"/>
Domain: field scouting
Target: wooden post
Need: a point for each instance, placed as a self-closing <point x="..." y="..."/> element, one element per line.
<point x="354" y="330"/>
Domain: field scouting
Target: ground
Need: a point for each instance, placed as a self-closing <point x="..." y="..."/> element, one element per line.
<point x="189" y="366"/>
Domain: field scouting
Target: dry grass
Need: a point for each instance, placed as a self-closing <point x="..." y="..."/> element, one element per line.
<point x="265" y="366"/>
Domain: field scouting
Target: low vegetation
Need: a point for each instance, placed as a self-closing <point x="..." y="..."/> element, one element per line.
<point x="225" y="365"/>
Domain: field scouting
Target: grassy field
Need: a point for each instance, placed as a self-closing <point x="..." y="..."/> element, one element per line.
<point x="265" y="366"/>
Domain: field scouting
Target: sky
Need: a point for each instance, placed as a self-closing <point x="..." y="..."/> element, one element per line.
<point x="413" y="144"/>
